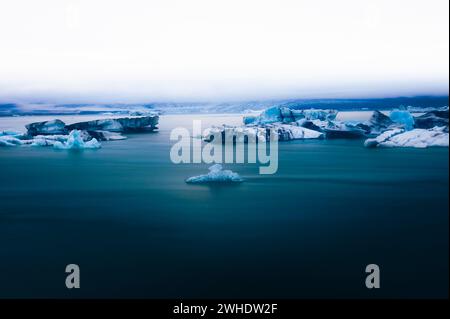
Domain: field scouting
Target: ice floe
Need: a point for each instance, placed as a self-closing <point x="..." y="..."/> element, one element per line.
<point x="216" y="175"/>
<point x="75" y="141"/>
<point x="9" y="140"/>
<point x="418" y="138"/>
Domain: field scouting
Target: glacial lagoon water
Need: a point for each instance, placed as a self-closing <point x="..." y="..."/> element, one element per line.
<point x="125" y="215"/>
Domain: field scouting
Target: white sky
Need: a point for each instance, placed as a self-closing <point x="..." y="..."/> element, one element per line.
<point x="130" y="51"/>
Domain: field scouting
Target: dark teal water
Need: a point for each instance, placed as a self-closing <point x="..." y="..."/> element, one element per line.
<point x="125" y="215"/>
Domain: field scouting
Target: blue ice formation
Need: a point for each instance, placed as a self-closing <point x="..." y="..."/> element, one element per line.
<point x="270" y="115"/>
<point x="286" y="115"/>
<point x="402" y="117"/>
<point x="75" y="141"/>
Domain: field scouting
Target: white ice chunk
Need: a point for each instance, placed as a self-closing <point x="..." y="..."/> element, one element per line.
<point x="239" y="133"/>
<point x="112" y="136"/>
<point x="383" y="137"/>
<point x="300" y="133"/>
<point x="418" y="138"/>
<point x="8" y="140"/>
<point x="216" y="175"/>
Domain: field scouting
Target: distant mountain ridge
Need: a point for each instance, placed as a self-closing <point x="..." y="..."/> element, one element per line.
<point x="11" y="109"/>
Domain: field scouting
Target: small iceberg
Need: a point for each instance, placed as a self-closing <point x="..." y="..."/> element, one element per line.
<point x="216" y="175"/>
<point x="418" y="138"/>
<point x="75" y="141"/>
<point x="382" y="138"/>
<point x="9" y="140"/>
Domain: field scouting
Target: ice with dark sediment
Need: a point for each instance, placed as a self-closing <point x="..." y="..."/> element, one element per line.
<point x="78" y="135"/>
<point x="290" y="124"/>
<point x="125" y="124"/>
<point x="432" y="119"/>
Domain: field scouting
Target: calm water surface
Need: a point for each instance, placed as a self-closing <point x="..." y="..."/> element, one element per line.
<point x="126" y="216"/>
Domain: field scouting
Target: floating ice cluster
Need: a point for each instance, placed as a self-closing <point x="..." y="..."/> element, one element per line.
<point x="82" y="135"/>
<point x="397" y="129"/>
<point x="75" y="140"/>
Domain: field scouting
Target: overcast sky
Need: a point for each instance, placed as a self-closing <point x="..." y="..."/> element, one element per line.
<point x="178" y="50"/>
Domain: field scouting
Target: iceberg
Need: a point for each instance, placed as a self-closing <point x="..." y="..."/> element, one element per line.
<point x="402" y="117"/>
<point x="216" y="175"/>
<point x="75" y="141"/>
<point x="379" y="122"/>
<point x="125" y="124"/>
<point x="270" y="115"/>
<point x="286" y="115"/>
<point x="11" y="133"/>
<point x="244" y="134"/>
<point x="288" y="132"/>
<point x="143" y="112"/>
<point x="82" y="135"/>
<point x="106" y="135"/>
<point x="383" y="137"/>
<point x="46" y="128"/>
<point x="432" y="119"/>
<point x="346" y="130"/>
<point x="10" y="140"/>
<point x="239" y="134"/>
<point x="41" y="140"/>
<point x="376" y="125"/>
<point x="249" y="119"/>
<point x="315" y="125"/>
<point x="313" y="114"/>
<point x="418" y="138"/>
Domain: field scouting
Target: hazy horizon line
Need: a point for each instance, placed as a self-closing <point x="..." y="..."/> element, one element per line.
<point x="216" y="101"/>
